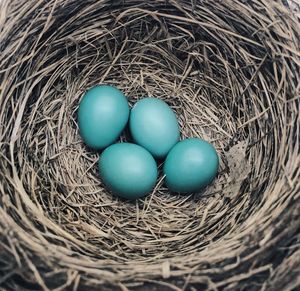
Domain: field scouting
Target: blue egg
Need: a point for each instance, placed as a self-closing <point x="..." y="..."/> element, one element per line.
<point x="128" y="170"/>
<point x="191" y="165"/>
<point x="154" y="126"/>
<point x="103" y="114"/>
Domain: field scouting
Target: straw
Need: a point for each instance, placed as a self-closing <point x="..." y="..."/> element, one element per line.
<point x="229" y="69"/>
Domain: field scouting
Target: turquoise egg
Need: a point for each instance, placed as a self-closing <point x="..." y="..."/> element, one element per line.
<point x="154" y="126"/>
<point x="103" y="113"/>
<point x="128" y="170"/>
<point x="191" y="165"/>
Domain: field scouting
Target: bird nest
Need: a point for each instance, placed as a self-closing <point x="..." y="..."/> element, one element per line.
<point x="229" y="69"/>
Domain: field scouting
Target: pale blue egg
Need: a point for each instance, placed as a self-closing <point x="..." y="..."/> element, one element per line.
<point x="128" y="170"/>
<point x="103" y="114"/>
<point x="191" y="165"/>
<point x="154" y="126"/>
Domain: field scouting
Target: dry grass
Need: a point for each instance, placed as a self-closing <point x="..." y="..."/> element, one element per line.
<point x="230" y="69"/>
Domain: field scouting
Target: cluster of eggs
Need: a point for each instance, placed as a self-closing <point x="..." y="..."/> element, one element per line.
<point x="129" y="170"/>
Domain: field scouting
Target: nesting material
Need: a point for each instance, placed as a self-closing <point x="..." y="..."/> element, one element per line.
<point x="229" y="69"/>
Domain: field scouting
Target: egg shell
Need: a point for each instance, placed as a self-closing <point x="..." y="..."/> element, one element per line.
<point x="103" y="114"/>
<point x="128" y="170"/>
<point x="191" y="165"/>
<point x="154" y="125"/>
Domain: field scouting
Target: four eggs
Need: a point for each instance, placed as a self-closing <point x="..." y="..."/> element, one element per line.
<point x="130" y="170"/>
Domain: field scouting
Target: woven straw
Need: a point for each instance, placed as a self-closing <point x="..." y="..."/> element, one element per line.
<point x="229" y="69"/>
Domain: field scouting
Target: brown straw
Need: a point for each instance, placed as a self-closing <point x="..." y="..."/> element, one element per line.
<point x="230" y="69"/>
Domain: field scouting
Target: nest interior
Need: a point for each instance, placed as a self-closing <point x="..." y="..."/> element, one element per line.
<point x="230" y="71"/>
